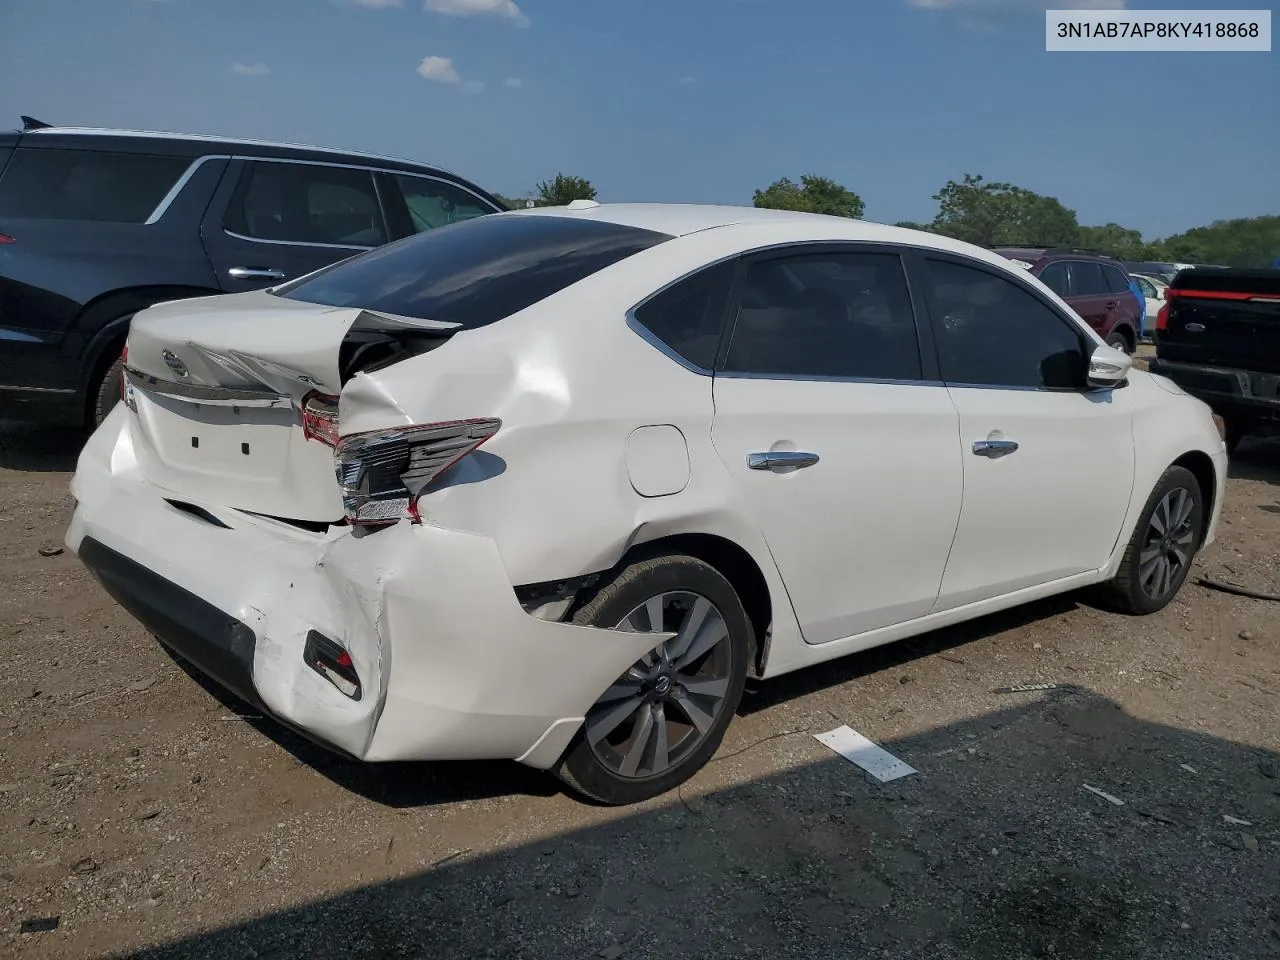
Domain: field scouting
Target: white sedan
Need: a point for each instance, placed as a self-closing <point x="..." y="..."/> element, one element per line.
<point x="551" y="485"/>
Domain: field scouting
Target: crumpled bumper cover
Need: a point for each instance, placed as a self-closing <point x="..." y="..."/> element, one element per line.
<point x="451" y="665"/>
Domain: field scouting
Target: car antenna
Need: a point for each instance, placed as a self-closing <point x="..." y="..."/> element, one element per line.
<point x="31" y="123"/>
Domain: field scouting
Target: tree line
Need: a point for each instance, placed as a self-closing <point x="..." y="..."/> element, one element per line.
<point x="993" y="214"/>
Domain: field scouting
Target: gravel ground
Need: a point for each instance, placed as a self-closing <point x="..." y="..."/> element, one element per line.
<point x="156" y="819"/>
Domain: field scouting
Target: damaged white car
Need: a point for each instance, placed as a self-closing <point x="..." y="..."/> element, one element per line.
<point x="551" y="485"/>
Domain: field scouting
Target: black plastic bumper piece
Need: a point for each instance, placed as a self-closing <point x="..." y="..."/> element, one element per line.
<point x="216" y="643"/>
<point x="1247" y="395"/>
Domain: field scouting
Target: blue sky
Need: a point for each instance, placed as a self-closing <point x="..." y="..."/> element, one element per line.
<point x="685" y="100"/>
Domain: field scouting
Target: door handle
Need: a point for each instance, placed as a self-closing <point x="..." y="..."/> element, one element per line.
<point x="994" y="448"/>
<point x="776" y="459"/>
<point x="256" y="273"/>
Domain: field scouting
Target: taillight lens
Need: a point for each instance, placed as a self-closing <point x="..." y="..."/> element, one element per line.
<point x="5" y="238"/>
<point x="320" y="418"/>
<point x="1162" y="318"/>
<point x="381" y="473"/>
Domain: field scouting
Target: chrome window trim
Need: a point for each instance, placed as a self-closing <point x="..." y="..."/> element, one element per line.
<point x="167" y="200"/>
<point x="821" y="378"/>
<point x="297" y="243"/>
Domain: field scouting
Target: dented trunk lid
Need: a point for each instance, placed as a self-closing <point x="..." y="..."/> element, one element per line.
<point x="217" y="382"/>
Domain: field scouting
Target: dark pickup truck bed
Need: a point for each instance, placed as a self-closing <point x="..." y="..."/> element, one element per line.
<point x="1218" y="337"/>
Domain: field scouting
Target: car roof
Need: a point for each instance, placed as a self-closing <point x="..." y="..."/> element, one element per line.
<point x="197" y="144"/>
<point x="1038" y="254"/>
<point x="681" y="219"/>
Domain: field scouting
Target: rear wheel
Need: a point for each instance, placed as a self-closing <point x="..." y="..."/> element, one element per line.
<point x="1120" y="342"/>
<point x="106" y="394"/>
<point x="1163" y="545"/>
<point x="662" y="720"/>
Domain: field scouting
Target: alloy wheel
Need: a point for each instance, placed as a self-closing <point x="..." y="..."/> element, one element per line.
<point x="657" y="713"/>
<point x="1166" y="551"/>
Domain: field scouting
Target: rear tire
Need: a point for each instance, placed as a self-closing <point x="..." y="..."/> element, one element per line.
<point x="1163" y="546"/>
<point x="664" y="718"/>
<point x="1120" y="342"/>
<point x="1235" y="432"/>
<point x="106" y="394"/>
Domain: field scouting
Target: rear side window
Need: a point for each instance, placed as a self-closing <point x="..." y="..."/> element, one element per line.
<point x="1087" y="279"/>
<point x="1054" y="276"/>
<point x="1116" y="280"/>
<point x="435" y="203"/>
<point x="44" y="184"/>
<point x="306" y="203"/>
<point x="688" y="316"/>
<point x="476" y="272"/>
<point x="842" y="315"/>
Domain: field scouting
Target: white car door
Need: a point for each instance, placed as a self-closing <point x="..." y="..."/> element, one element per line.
<point x="840" y="439"/>
<point x="1048" y="462"/>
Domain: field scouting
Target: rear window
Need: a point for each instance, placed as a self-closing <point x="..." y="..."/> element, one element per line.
<point x="475" y="272"/>
<point x="86" y="185"/>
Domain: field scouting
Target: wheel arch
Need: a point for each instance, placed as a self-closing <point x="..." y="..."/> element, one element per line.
<point x="737" y="566"/>
<point x="1201" y="466"/>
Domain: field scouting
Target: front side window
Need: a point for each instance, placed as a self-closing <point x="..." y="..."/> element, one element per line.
<point x="1148" y="291"/>
<point x="843" y="315"/>
<point x="86" y="185"/>
<point x="435" y="203"/>
<point x="1117" y="282"/>
<point x="306" y="203"/>
<point x="475" y="272"/>
<point x="687" y="317"/>
<point x="1087" y="279"/>
<point x="994" y="332"/>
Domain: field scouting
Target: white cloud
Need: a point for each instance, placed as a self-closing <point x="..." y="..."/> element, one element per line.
<point x="442" y="70"/>
<point x="250" y="69"/>
<point x="439" y="69"/>
<point x="1033" y="4"/>
<point x="513" y="83"/>
<point x="502" y="9"/>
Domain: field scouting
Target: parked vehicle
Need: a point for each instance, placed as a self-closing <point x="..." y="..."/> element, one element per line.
<point x="551" y="485"/>
<point x="1218" y="338"/>
<point x="1096" y="287"/>
<point x="96" y="225"/>
<point x="1152" y="288"/>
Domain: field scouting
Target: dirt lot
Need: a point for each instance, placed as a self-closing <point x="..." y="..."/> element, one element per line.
<point x="157" y="820"/>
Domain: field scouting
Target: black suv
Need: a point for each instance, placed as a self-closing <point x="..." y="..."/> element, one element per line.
<point x="95" y="225"/>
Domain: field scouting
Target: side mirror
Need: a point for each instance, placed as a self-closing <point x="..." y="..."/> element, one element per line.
<point x="1108" y="367"/>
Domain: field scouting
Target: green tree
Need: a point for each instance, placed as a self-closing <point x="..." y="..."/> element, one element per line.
<point x="511" y="203"/>
<point x="563" y="190"/>
<point x="1114" y="240"/>
<point x="1244" y="242"/>
<point x="813" y="194"/>
<point x="1001" y="214"/>
<point x="911" y="225"/>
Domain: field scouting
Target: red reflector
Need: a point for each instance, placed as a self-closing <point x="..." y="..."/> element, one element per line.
<point x="343" y="659"/>
<point x="1162" y="318"/>
<point x="5" y="238"/>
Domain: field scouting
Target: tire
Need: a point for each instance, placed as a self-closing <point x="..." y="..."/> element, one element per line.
<point x="1132" y="588"/>
<point x="616" y="757"/>
<point x="106" y="394"/>
<point x="1120" y="342"/>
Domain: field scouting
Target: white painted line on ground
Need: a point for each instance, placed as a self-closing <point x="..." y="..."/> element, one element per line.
<point x="1104" y="795"/>
<point x="856" y="748"/>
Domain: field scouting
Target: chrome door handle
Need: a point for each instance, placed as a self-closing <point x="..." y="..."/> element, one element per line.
<point x="780" y="458"/>
<point x="994" y="448"/>
<point x="256" y="273"/>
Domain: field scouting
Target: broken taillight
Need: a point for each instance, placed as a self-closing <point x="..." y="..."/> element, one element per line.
<point x="382" y="473"/>
<point x="333" y="663"/>
<point x="320" y="418"/>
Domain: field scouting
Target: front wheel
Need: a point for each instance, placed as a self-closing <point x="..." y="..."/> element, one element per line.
<point x="662" y="720"/>
<point x="1164" y="543"/>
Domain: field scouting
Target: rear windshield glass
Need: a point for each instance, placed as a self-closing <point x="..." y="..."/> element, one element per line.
<point x="475" y="272"/>
<point x="86" y="185"/>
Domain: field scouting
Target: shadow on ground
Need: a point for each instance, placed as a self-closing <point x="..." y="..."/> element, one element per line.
<point x="39" y="449"/>
<point x="1257" y="459"/>
<point x="994" y="850"/>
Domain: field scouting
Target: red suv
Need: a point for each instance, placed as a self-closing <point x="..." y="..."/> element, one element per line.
<point x="1096" y="287"/>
